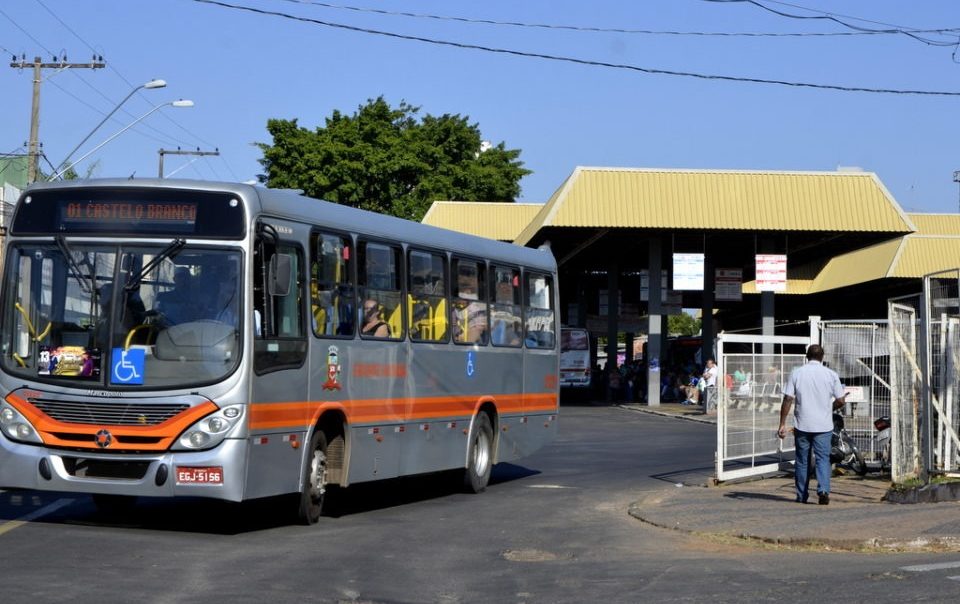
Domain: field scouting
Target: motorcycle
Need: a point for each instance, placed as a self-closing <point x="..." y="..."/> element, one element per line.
<point x="883" y="426"/>
<point x="843" y="450"/>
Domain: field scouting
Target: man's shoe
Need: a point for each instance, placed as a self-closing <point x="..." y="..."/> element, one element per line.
<point x="824" y="499"/>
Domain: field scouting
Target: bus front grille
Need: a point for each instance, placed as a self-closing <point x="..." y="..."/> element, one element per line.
<point x="109" y="413"/>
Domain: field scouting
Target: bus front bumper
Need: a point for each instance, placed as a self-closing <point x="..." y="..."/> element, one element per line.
<point x="218" y="473"/>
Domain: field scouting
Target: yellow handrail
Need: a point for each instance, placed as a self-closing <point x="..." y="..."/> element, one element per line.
<point x="30" y="327"/>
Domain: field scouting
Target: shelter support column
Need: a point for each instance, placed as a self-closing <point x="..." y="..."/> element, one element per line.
<point x="655" y="329"/>
<point x="613" y="312"/>
<point x="767" y="325"/>
<point x="707" y="330"/>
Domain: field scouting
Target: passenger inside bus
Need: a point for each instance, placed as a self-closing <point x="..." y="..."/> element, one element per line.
<point x="178" y="305"/>
<point x="132" y="315"/>
<point x="373" y="324"/>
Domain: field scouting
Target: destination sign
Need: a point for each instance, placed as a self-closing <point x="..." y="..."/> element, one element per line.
<point x="143" y="211"/>
<point x="125" y="211"/>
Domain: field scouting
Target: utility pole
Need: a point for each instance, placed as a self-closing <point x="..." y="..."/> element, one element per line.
<point x="33" y="147"/>
<point x="178" y="151"/>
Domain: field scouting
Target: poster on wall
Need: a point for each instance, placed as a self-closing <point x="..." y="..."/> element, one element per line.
<point x="688" y="272"/>
<point x="728" y="284"/>
<point x="771" y="272"/>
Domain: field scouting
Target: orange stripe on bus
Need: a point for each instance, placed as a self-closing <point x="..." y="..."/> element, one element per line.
<point x="83" y="435"/>
<point x="303" y="414"/>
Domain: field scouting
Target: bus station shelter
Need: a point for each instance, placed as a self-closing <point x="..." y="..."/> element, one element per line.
<point x="625" y="240"/>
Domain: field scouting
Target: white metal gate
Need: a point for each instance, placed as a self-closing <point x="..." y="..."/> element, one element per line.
<point x="753" y="370"/>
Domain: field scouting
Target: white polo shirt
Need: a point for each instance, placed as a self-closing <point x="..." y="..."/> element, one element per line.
<point x="814" y="387"/>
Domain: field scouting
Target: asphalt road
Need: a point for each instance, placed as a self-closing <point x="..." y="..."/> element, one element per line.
<point x="554" y="529"/>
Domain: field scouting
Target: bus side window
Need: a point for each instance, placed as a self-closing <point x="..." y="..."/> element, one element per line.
<point x="506" y="328"/>
<point x="378" y="286"/>
<point x="280" y="339"/>
<point x="468" y="311"/>
<point x="540" y="327"/>
<point x="427" y="297"/>
<point x="331" y="285"/>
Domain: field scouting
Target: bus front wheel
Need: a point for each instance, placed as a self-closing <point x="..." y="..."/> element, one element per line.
<point x="480" y="455"/>
<point x="314" y="488"/>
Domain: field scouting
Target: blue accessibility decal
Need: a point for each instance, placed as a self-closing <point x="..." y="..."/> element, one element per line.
<point x="127" y="366"/>
<point x="471" y="363"/>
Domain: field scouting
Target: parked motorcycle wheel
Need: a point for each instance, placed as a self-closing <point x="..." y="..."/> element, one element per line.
<point x="857" y="464"/>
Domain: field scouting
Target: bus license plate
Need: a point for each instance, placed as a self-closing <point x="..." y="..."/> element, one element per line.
<point x="200" y="475"/>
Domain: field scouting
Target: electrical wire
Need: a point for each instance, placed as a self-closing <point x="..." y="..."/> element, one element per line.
<point x="822" y="15"/>
<point x="548" y="57"/>
<point x="169" y="137"/>
<point x="616" y="30"/>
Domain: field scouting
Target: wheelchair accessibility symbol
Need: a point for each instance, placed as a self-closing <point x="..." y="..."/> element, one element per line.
<point x="127" y="366"/>
<point x="471" y="363"/>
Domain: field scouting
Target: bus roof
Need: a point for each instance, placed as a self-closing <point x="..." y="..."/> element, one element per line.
<point x="293" y="205"/>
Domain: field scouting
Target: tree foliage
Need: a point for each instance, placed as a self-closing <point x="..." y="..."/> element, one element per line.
<point x="683" y="325"/>
<point x="387" y="160"/>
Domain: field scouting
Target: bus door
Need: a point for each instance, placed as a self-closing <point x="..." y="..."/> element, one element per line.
<point x="280" y="414"/>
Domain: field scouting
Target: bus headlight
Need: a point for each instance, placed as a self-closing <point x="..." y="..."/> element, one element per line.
<point x="15" y="426"/>
<point x="209" y="431"/>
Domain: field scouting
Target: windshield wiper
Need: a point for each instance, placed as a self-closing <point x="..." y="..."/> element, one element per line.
<point x="72" y="264"/>
<point x="168" y="252"/>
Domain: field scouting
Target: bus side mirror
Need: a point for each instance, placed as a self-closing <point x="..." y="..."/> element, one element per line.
<point x="279" y="277"/>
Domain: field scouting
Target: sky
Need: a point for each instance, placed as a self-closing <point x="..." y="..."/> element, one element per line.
<point x="605" y="108"/>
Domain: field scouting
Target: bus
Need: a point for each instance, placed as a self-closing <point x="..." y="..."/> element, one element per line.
<point x="574" y="358"/>
<point x="174" y="338"/>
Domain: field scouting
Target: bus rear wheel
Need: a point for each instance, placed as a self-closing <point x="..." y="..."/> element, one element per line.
<point x="480" y="455"/>
<point x="314" y="489"/>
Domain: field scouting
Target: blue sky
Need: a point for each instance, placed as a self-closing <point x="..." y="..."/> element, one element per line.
<point x="242" y="69"/>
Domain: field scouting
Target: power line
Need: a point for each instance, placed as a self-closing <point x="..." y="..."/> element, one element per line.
<point x="615" y="30"/>
<point x="637" y="68"/>
<point x="822" y="15"/>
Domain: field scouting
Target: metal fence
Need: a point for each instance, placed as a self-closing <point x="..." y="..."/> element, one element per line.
<point x="942" y="308"/>
<point x="748" y="413"/>
<point x="906" y="380"/>
<point x="859" y="351"/>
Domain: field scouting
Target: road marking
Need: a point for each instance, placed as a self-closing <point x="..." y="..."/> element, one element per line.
<point x="12" y="524"/>
<point x="548" y="486"/>
<point x="922" y="568"/>
<point x="954" y="578"/>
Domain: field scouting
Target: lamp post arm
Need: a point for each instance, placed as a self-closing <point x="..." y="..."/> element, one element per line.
<point x="97" y="127"/>
<point x="113" y="136"/>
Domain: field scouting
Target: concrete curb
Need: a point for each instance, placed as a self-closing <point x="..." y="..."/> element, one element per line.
<point x="703" y="419"/>
<point x="946" y="543"/>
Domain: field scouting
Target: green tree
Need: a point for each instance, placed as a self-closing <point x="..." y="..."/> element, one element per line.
<point x="387" y="160"/>
<point x="683" y="325"/>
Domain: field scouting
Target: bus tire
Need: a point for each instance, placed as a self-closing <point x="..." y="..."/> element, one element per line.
<point x="476" y="476"/>
<point x="313" y="492"/>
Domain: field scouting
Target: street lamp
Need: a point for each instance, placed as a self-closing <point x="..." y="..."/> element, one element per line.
<point x="148" y="86"/>
<point x="180" y="103"/>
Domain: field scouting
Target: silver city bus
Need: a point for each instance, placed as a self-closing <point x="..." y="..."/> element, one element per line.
<point x="178" y="338"/>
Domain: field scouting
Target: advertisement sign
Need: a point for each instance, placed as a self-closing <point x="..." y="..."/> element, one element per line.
<point x="771" y="272"/>
<point x="728" y="284"/>
<point x="688" y="272"/>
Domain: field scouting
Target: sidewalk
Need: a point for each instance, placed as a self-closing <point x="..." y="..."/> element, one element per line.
<point x="765" y="511"/>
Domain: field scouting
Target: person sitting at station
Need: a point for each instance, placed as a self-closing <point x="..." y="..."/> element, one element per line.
<point x="178" y="304"/>
<point x="373" y="325"/>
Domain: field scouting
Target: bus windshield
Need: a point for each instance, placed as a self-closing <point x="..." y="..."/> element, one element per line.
<point x="99" y="315"/>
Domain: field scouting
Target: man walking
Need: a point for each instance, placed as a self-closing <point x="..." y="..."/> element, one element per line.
<point x="814" y="391"/>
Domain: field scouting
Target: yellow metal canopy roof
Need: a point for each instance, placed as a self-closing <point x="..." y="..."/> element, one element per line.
<point x="721" y="200"/>
<point x="934" y="247"/>
<point x="501" y="221"/>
